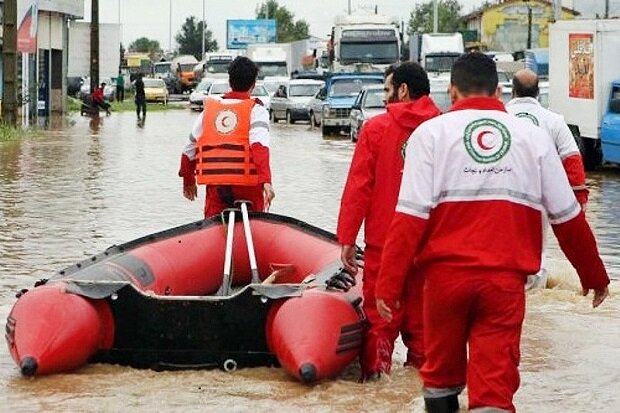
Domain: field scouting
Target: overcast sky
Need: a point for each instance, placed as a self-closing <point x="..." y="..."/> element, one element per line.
<point x="151" y="18"/>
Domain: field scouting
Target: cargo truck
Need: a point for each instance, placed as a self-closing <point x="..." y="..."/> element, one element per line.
<point x="584" y="85"/>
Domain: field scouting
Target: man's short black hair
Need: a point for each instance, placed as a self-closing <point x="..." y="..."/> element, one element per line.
<point x="474" y="73"/>
<point x="524" y="91"/>
<point x="416" y="79"/>
<point x="390" y="70"/>
<point x="242" y="74"/>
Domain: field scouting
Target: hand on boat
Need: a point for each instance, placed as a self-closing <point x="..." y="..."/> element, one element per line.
<point x="347" y="256"/>
<point x="341" y="281"/>
<point x="599" y="295"/>
<point x="190" y="192"/>
<point x="268" y="195"/>
<point x="384" y="309"/>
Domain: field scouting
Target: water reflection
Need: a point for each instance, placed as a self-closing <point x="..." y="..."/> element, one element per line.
<point x="77" y="190"/>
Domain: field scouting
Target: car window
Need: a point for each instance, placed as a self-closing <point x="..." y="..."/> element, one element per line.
<point x="303" y="90"/>
<point x="259" y="90"/>
<point x="154" y="83"/>
<point x="351" y="87"/>
<point x="374" y="99"/>
<point x="203" y="85"/>
<point x="219" y="88"/>
<point x="359" y="98"/>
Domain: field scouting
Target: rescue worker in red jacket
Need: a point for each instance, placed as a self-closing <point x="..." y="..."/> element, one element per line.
<point x="228" y="149"/>
<point x="370" y="196"/>
<point x="475" y="182"/>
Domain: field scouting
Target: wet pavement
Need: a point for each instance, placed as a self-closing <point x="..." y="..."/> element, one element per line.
<point x="86" y="185"/>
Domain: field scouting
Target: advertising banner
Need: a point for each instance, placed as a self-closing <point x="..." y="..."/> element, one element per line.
<point x="27" y="13"/>
<point x="581" y="66"/>
<point x="240" y="33"/>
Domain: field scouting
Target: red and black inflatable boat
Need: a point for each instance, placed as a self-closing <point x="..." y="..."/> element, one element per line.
<point x="162" y="302"/>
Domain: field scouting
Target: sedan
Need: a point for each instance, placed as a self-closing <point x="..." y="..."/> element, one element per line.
<point x="109" y="91"/>
<point x="155" y="90"/>
<point x="368" y="104"/>
<point x="262" y="94"/>
<point x="198" y="95"/>
<point x="290" y="101"/>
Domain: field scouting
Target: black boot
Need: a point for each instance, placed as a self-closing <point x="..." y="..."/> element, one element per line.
<point x="447" y="404"/>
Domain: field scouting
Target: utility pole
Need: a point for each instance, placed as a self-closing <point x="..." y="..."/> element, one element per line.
<point x="170" y="28"/>
<point x="607" y="9"/>
<point x="349" y="9"/>
<point x="202" y="56"/>
<point x="529" y="26"/>
<point x="9" y="58"/>
<point x="435" y="17"/>
<point x="94" y="45"/>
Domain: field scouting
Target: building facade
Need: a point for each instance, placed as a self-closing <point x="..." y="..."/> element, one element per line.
<point x="505" y="26"/>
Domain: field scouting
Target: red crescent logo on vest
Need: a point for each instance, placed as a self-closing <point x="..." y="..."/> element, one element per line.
<point x="226" y="121"/>
<point x="481" y="140"/>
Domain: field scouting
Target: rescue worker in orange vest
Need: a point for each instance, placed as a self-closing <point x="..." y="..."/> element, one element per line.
<point x="228" y="149"/>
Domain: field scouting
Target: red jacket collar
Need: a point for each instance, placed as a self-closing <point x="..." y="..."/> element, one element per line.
<point x="478" y="102"/>
<point x="236" y="95"/>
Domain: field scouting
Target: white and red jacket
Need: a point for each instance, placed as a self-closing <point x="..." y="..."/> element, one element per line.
<point x="475" y="182"/>
<point x="375" y="173"/>
<point x="530" y="108"/>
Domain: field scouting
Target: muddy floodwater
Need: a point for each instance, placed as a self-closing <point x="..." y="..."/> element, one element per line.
<point x="86" y="185"/>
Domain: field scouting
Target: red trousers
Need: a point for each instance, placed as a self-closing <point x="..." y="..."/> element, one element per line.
<point x="479" y="313"/>
<point x="379" y="342"/>
<point x="220" y="198"/>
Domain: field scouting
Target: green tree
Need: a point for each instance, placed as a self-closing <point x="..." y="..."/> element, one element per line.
<point x="145" y="45"/>
<point x="288" y="30"/>
<point x="190" y="41"/>
<point x="449" y="20"/>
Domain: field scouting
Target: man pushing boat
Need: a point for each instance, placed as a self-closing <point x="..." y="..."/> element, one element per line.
<point x="228" y="149"/>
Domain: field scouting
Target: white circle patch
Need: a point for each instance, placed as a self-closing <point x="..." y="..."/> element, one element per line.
<point x="226" y="121"/>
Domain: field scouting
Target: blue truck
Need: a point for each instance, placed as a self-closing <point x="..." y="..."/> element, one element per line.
<point x="331" y="106"/>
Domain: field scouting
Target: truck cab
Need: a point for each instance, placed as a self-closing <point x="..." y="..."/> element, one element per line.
<point x="610" y="127"/>
<point x="364" y="43"/>
<point x="334" y="101"/>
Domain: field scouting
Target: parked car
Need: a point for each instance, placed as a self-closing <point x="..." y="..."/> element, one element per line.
<point x="109" y="91"/>
<point x="200" y="92"/>
<point x="155" y="90"/>
<point x="218" y="88"/>
<point x="332" y="104"/>
<point x="290" y="101"/>
<point x="261" y="92"/>
<point x="368" y="104"/>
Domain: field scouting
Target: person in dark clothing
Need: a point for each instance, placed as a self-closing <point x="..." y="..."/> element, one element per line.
<point x="140" y="97"/>
<point x="120" y="88"/>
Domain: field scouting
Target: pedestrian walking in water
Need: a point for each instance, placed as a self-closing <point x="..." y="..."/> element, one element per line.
<point x="120" y="87"/>
<point x="140" y="97"/>
<point x="524" y="104"/>
<point x="370" y="196"/>
<point x="475" y="182"/>
<point x="228" y="149"/>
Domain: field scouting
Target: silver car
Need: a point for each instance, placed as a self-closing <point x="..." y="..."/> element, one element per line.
<point x="199" y="94"/>
<point x="290" y="101"/>
<point x="315" y="106"/>
<point x="368" y="104"/>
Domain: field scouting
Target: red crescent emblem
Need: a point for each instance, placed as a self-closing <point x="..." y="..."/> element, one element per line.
<point x="480" y="140"/>
<point x="224" y="121"/>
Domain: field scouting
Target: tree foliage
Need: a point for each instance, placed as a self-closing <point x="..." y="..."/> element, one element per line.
<point x="190" y="41"/>
<point x="288" y="30"/>
<point x="421" y="18"/>
<point x="145" y="45"/>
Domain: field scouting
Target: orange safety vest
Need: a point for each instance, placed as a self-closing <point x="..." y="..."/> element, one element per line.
<point x="223" y="155"/>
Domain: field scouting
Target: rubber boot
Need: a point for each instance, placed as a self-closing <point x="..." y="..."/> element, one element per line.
<point x="447" y="404"/>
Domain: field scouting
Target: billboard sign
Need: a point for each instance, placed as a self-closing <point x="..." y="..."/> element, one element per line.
<point x="27" y="17"/>
<point x="581" y="66"/>
<point x="240" y="33"/>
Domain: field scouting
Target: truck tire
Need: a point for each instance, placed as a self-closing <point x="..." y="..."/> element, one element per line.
<point x="313" y="121"/>
<point x="326" y="130"/>
<point x="289" y="118"/>
<point x="587" y="149"/>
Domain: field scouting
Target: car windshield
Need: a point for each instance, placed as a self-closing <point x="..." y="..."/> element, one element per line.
<point x="303" y="90"/>
<point x="154" y="83"/>
<point x="219" y="88"/>
<point x="218" y="67"/>
<point x="351" y="87"/>
<point x="203" y="85"/>
<point x="187" y="67"/>
<point x="161" y="68"/>
<point x="374" y="99"/>
<point x="259" y="90"/>
<point x="271" y="69"/>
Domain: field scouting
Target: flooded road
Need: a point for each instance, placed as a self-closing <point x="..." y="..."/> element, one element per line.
<point x="88" y="185"/>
